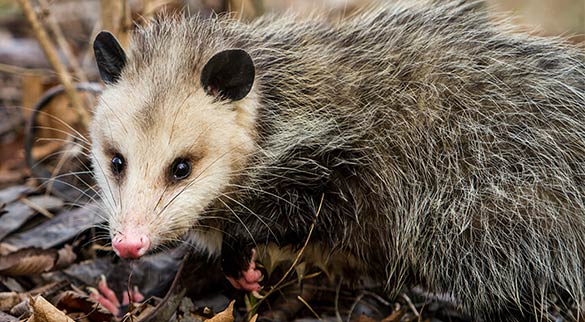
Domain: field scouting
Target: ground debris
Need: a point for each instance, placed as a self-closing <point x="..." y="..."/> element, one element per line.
<point x="31" y="261"/>
<point x="18" y="212"/>
<point x="43" y="311"/>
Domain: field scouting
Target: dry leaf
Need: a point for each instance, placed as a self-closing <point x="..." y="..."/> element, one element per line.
<point x="77" y="301"/>
<point x="9" y="299"/>
<point x="31" y="261"/>
<point x="65" y="257"/>
<point x="365" y="318"/>
<point x="43" y="311"/>
<point x="19" y="212"/>
<point x="22" y="309"/>
<point x="64" y="227"/>
<point x="226" y="316"/>
<point x="10" y="194"/>
<point x="27" y="262"/>
<point x="4" y="317"/>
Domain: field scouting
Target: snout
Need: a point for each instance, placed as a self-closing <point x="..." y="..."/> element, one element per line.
<point x="131" y="243"/>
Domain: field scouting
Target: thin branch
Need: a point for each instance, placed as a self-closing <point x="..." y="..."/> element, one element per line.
<point x="65" y="48"/>
<point x="7" y="68"/>
<point x="115" y="18"/>
<point x="53" y="58"/>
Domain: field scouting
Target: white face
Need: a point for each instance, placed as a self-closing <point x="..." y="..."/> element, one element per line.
<point x="159" y="167"/>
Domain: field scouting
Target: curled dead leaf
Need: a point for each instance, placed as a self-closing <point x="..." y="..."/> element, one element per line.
<point x="31" y="261"/>
<point x="43" y="311"/>
<point x="27" y="261"/>
<point x="21" y="309"/>
<point x="65" y="257"/>
<point x="78" y="301"/>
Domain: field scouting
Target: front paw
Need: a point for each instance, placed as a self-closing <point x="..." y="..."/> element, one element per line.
<point x="107" y="298"/>
<point x="247" y="279"/>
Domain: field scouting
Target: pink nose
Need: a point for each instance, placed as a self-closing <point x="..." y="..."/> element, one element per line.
<point x="130" y="244"/>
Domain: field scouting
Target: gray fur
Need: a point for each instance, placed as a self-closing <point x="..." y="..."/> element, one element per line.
<point x="450" y="150"/>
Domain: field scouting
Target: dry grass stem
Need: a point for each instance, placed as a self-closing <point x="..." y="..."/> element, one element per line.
<point x="53" y="58"/>
<point x="60" y="39"/>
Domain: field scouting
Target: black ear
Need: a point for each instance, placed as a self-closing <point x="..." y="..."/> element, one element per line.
<point x="110" y="57"/>
<point x="229" y="74"/>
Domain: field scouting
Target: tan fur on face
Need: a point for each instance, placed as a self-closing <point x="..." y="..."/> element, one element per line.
<point x="150" y="134"/>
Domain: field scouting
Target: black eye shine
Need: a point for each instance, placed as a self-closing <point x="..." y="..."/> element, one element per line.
<point x="118" y="164"/>
<point x="180" y="169"/>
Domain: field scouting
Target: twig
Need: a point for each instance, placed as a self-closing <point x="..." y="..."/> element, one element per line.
<point x="115" y="17"/>
<point x="37" y="208"/>
<point x="65" y="48"/>
<point x="51" y="55"/>
<point x="22" y="70"/>
<point x="410" y="304"/>
<point x="309" y="307"/>
<point x="337" y="291"/>
<point x="354" y="305"/>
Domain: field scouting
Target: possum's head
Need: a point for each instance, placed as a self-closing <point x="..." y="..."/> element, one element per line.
<point x="168" y="139"/>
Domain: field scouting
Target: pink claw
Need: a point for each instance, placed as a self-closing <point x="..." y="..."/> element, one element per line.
<point x="250" y="280"/>
<point x="107" y="298"/>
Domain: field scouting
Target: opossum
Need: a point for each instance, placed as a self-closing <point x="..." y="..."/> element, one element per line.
<point x="427" y="143"/>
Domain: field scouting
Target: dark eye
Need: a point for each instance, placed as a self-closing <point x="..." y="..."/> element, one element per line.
<point x="180" y="169"/>
<point x="118" y="164"/>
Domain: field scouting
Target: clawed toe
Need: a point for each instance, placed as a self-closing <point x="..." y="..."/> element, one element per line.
<point x="108" y="299"/>
<point x="250" y="278"/>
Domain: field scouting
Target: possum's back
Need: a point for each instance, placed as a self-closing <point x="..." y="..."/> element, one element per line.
<point x="472" y="132"/>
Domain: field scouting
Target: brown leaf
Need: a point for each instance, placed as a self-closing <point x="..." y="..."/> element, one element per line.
<point x="77" y="301"/>
<point x="6" y="249"/>
<point x="43" y="311"/>
<point x="9" y="299"/>
<point x="365" y="318"/>
<point x="31" y="261"/>
<point x="226" y="315"/>
<point x="65" y="257"/>
<point x="28" y="261"/>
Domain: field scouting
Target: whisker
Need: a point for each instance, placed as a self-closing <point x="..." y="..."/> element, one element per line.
<point x="240" y="220"/>
<point x="253" y="213"/>
<point x="264" y="192"/>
